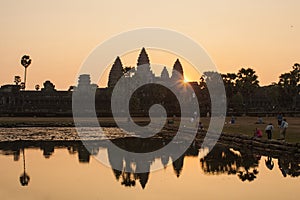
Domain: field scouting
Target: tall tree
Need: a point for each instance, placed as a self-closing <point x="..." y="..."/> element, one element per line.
<point x="25" y="61"/>
<point x="246" y="83"/>
<point x="229" y="80"/>
<point x="210" y="89"/>
<point x="289" y="84"/>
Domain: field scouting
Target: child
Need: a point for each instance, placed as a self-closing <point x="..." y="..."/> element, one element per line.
<point x="257" y="133"/>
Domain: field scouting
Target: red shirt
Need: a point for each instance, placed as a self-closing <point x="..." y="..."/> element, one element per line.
<point x="258" y="133"/>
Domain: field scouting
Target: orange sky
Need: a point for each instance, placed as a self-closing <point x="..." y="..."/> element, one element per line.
<point x="59" y="35"/>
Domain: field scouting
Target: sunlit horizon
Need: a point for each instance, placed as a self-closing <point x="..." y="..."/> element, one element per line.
<point x="59" y="37"/>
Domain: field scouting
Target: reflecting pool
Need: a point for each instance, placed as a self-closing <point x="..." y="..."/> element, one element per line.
<point x="66" y="170"/>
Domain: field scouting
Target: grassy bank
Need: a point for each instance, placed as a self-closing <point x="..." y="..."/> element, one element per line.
<point x="247" y="125"/>
<point x="243" y="125"/>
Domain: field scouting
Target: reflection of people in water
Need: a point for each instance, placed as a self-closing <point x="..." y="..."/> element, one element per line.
<point x="283" y="167"/>
<point x="269" y="163"/>
<point x="289" y="166"/>
<point x="24" y="178"/>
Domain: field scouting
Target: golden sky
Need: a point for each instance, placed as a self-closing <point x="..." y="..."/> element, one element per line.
<point x="59" y="35"/>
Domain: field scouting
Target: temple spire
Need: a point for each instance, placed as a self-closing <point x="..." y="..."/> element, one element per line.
<point x="164" y="74"/>
<point x="143" y="58"/>
<point x="115" y="73"/>
<point x="177" y="72"/>
<point x="143" y="70"/>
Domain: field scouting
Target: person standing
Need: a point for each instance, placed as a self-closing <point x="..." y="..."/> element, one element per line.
<point x="269" y="130"/>
<point x="232" y="121"/>
<point x="284" y="125"/>
<point x="279" y="119"/>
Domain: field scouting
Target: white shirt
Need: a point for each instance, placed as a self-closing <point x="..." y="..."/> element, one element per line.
<point x="284" y="124"/>
<point x="269" y="127"/>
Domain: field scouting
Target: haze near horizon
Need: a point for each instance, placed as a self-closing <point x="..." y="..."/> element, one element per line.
<point x="59" y="35"/>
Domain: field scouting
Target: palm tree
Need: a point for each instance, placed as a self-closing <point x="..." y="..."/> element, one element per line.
<point x="289" y="85"/>
<point x="37" y="87"/>
<point x="17" y="80"/>
<point x="24" y="178"/>
<point x="25" y="61"/>
<point x="246" y="83"/>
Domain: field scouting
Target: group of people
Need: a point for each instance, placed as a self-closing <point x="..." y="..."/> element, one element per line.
<point x="282" y="124"/>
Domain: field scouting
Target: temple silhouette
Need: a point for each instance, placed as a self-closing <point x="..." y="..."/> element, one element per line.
<point x="47" y="101"/>
<point x="50" y="102"/>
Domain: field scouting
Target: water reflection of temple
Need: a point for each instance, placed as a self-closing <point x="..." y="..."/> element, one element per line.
<point x="222" y="159"/>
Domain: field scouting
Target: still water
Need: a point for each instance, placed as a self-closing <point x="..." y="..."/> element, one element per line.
<point x="66" y="170"/>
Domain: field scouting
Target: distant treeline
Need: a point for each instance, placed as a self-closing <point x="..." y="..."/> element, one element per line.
<point x="244" y="96"/>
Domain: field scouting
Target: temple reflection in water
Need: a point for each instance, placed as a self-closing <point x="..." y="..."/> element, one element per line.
<point x="222" y="159"/>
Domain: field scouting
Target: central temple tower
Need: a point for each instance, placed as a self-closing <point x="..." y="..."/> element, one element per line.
<point x="143" y="70"/>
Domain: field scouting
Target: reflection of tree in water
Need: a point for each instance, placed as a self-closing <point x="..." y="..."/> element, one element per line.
<point x="249" y="164"/>
<point x="128" y="179"/>
<point x="222" y="159"/>
<point x="248" y="175"/>
<point x="24" y="178"/>
<point x="289" y="167"/>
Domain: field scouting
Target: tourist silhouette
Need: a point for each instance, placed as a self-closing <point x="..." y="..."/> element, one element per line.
<point x="283" y="167"/>
<point x="269" y="163"/>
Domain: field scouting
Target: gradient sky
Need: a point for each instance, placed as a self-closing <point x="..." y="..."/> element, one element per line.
<point x="59" y="35"/>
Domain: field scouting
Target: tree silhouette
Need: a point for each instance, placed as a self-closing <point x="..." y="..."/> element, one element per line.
<point x="17" y="80"/>
<point x="22" y="86"/>
<point x="289" y="84"/>
<point x="229" y="80"/>
<point x="37" y="87"/>
<point x="128" y="179"/>
<point x="24" y="178"/>
<point x="25" y="61"/>
<point x="246" y="83"/>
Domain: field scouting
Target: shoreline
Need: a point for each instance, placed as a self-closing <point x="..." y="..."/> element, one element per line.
<point x="243" y="125"/>
<point x="260" y="146"/>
